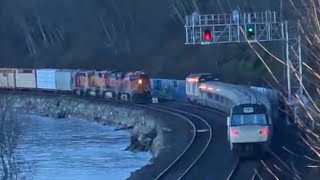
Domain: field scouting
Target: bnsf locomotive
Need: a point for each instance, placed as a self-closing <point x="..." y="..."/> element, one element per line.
<point x="127" y="86"/>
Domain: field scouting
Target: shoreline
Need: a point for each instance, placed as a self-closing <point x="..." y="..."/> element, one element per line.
<point x="145" y="133"/>
<point x="149" y="130"/>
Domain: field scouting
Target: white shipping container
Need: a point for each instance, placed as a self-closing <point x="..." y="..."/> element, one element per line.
<point x="25" y="78"/>
<point x="7" y="78"/>
<point x="64" y="80"/>
<point x="46" y="79"/>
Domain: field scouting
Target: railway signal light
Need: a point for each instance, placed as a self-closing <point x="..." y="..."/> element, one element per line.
<point x="250" y="31"/>
<point x="207" y="35"/>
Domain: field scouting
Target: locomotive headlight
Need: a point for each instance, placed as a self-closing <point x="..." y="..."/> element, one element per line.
<point x="140" y="81"/>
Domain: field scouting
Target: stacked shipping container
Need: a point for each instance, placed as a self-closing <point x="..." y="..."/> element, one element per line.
<point x="25" y="78"/>
<point x="64" y="79"/>
<point x="7" y="78"/>
<point x="46" y="79"/>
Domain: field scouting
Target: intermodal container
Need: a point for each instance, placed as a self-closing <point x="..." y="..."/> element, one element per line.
<point x="25" y="78"/>
<point x="7" y="79"/>
<point x="169" y="89"/>
<point x="46" y="79"/>
<point x="65" y="80"/>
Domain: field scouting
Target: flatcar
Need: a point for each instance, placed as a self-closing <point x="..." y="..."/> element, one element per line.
<point x="249" y="129"/>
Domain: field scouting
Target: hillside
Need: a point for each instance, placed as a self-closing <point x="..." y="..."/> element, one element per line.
<point x="125" y="35"/>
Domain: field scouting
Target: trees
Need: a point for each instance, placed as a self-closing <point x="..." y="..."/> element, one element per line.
<point x="9" y="139"/>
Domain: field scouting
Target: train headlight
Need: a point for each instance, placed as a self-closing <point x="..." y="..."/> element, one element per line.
<point x="234" y="132"/>
<point x="140" y="81"/>
<point x="264" y="131"/>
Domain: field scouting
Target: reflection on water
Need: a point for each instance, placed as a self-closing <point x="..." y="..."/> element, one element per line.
<point x="71" y="149"/>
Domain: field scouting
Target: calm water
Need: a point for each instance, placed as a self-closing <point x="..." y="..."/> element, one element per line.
<point x="71" y="149"/>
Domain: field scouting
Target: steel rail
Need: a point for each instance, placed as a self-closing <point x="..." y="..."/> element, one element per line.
<point x="193" y="162"/>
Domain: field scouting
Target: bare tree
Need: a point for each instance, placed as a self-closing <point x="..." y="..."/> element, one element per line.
<point x="9" y="139"/>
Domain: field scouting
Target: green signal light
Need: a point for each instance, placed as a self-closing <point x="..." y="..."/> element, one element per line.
<point x="250" y="29"/>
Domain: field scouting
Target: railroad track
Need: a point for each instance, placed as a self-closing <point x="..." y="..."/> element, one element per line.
<point x="271" y="168"/>
<point x="180" y="167"/>
<point x="246" y="170"/>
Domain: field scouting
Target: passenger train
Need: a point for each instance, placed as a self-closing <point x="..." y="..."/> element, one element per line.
<point x="126" y="86"/>
<point x="249" y="125"/>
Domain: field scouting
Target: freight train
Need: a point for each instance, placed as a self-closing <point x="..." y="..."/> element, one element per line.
<point x="249" y="125"/>
<point x="127" y="86"/>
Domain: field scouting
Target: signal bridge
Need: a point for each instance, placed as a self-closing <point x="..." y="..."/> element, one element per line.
<point x="226" y="28"/>
<point x="236" y="27"/>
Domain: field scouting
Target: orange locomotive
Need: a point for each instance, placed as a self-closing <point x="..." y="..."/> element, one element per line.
<point x="132" y="86"/>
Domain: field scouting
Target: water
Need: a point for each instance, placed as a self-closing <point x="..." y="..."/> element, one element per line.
<point x="72" y="149"/>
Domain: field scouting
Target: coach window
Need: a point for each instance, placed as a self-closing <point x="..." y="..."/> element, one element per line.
<point x="193" y="88"/>
<point x="228" y="102"/>
<point x="188" y="87"/>
<point x="216" y="97"/>
<point x="210" y="95"/>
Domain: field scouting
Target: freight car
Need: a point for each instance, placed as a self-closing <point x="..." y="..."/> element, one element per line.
<point x="25" y="79"/>
<point x="46" y="79"/>
<point x="7" y="79"/>
<point x="65" y="80"/>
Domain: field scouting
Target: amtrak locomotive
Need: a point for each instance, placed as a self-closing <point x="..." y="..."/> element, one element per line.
<point x="249" y="129"/>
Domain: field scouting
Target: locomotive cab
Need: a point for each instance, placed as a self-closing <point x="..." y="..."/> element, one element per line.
<point x="143" y="89"/>
<point x="249" y="129"/>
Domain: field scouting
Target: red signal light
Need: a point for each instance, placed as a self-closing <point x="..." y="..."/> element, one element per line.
<point x="207" y="35"/>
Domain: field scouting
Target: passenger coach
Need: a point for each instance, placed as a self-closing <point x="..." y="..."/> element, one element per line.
<point x="193" y="82"/>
